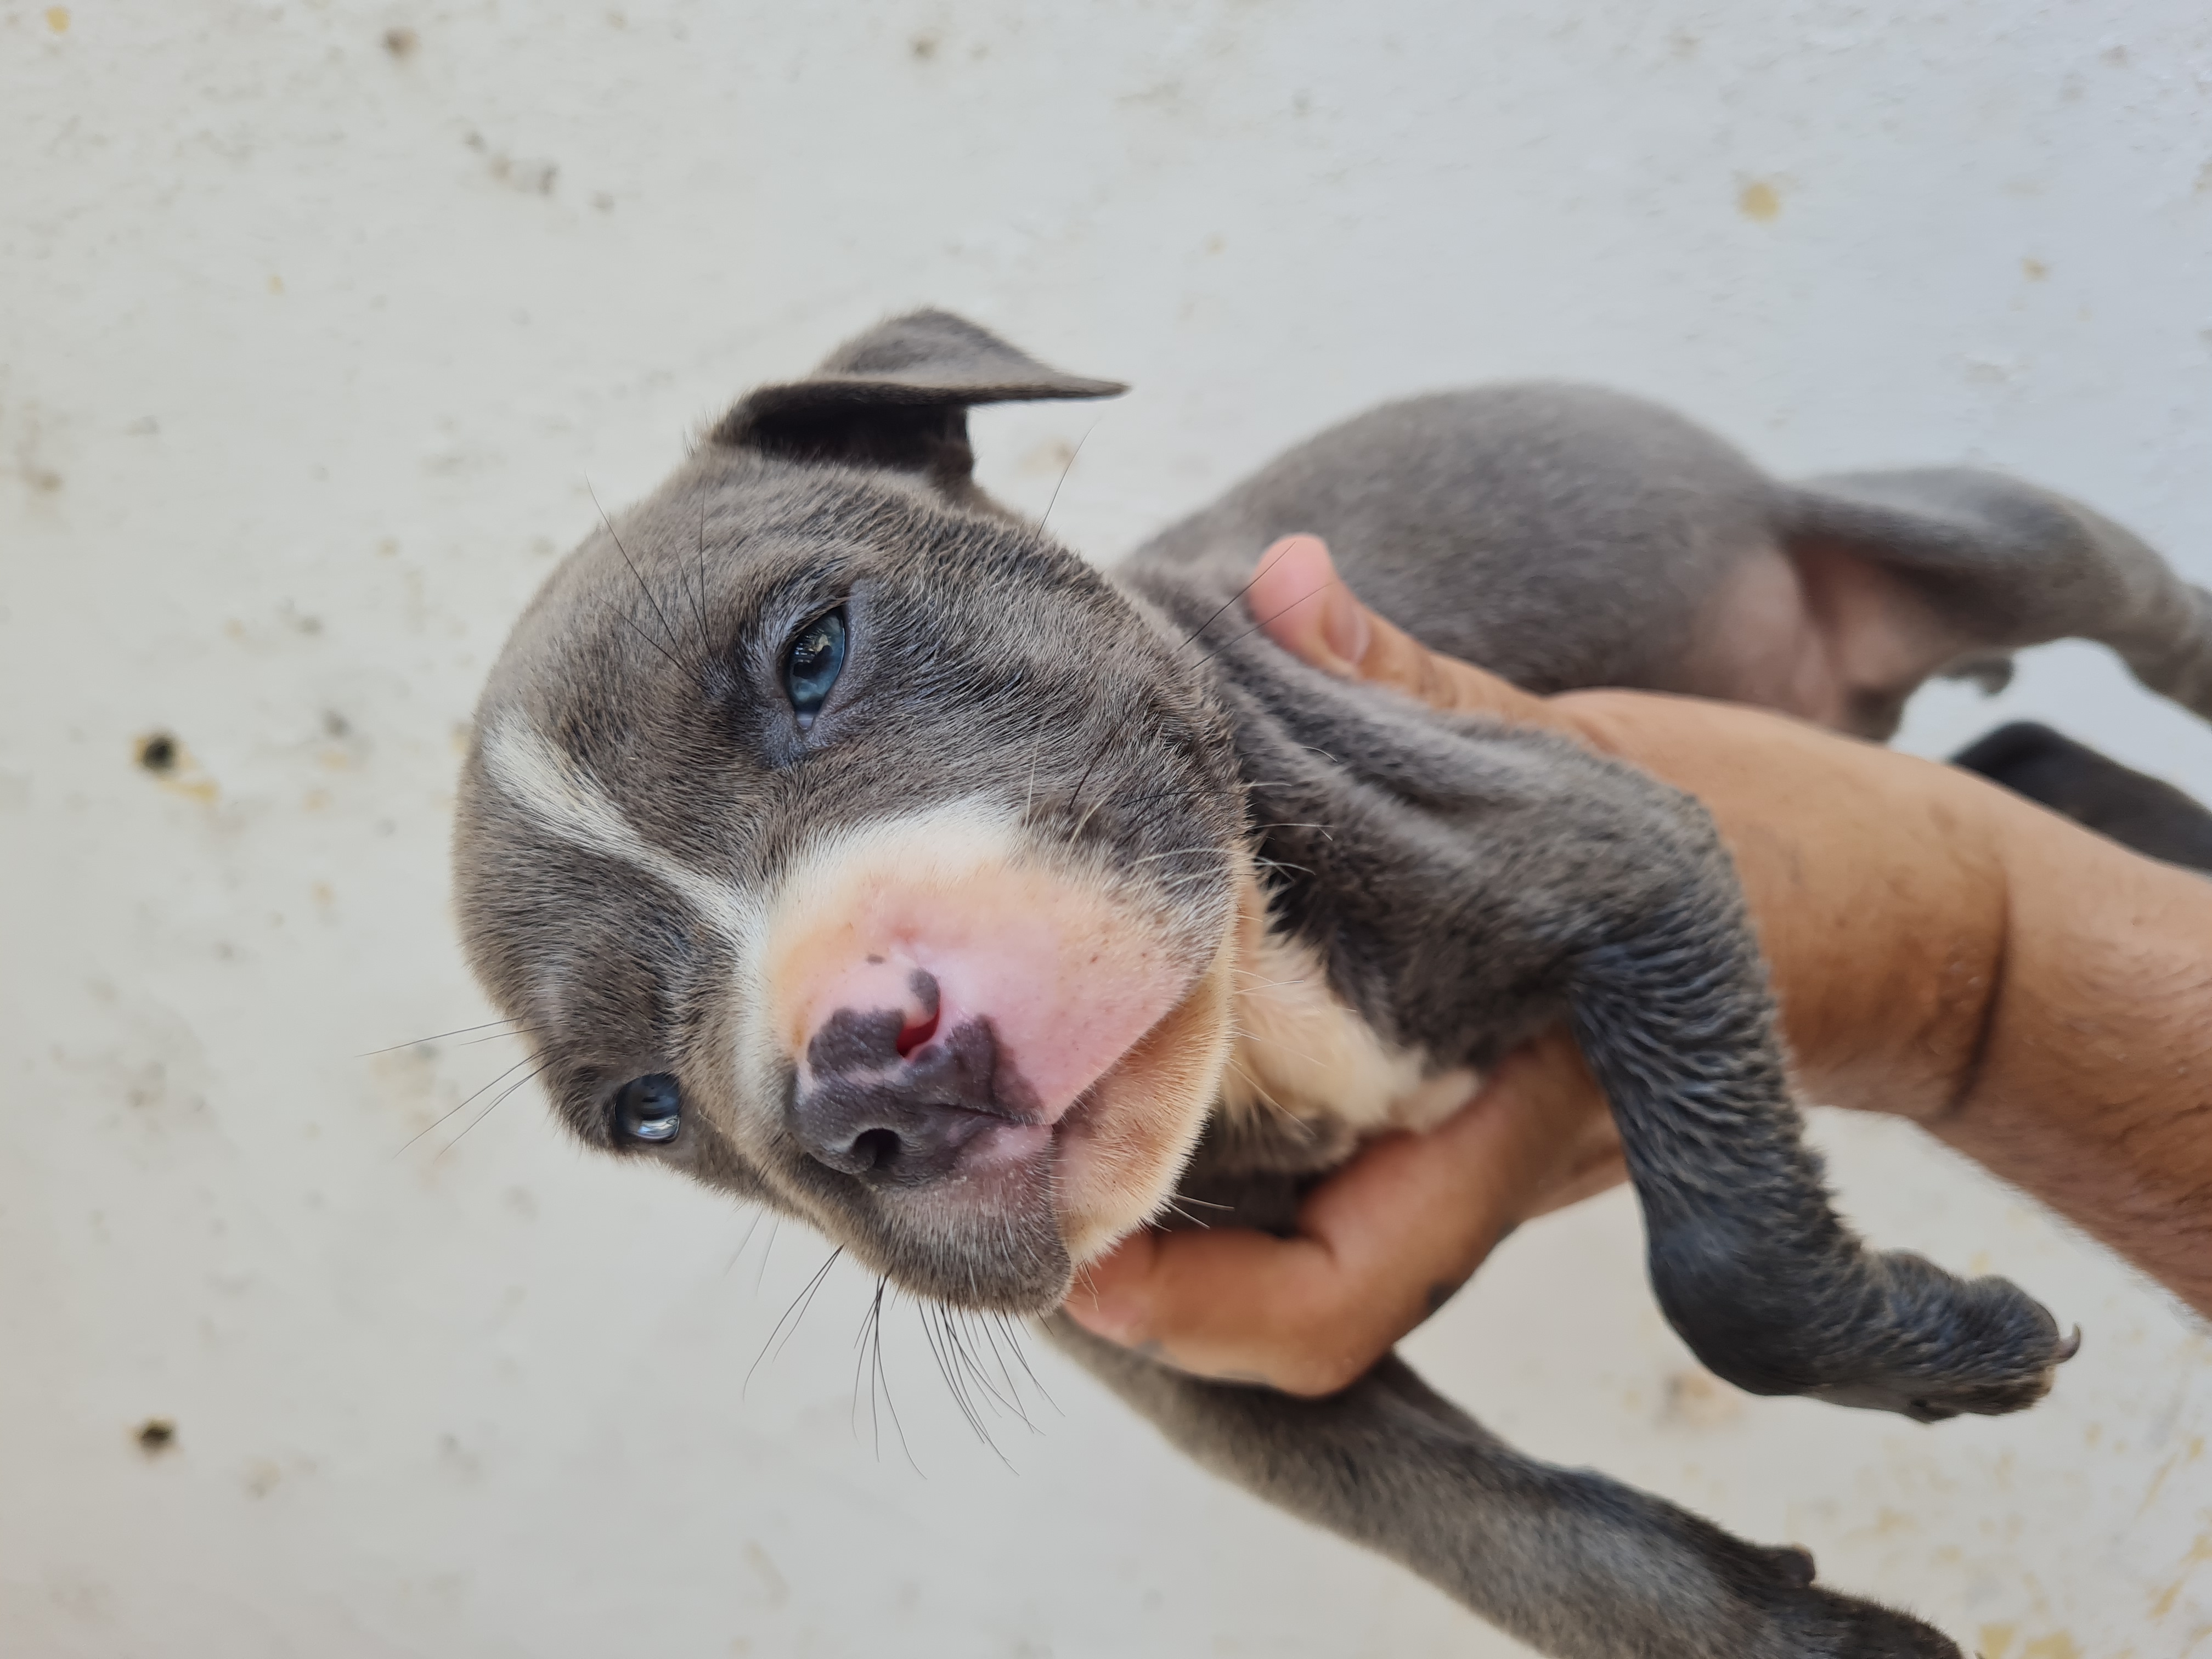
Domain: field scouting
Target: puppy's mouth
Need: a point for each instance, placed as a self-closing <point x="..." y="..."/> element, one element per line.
<point x="1009" y="1063"/>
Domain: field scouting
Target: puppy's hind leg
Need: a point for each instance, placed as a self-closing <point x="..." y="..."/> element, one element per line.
<point x="1574" y="1564"/>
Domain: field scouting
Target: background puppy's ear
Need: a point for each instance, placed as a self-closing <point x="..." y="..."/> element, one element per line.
<point x="2002" y="564"/>
<point x="897" y="397"/>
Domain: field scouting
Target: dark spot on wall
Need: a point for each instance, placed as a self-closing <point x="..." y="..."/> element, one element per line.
<point x="334" y="725"/>
<point x="156" y="1436"/>
<point x="401" y="42"/>
<point x="923" y="47"/>
<point x="157" y="752"/>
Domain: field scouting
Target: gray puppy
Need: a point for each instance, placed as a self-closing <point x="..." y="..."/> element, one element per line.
<point x="847" y="844"/>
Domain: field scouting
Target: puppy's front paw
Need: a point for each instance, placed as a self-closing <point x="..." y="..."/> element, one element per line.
<point x="1887" y="1332"/>
<point x="1929" y="1346"/>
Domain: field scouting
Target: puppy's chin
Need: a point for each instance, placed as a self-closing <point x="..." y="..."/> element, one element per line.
<point x="1120" y="1149"/>
<point x="988" y="1240"/>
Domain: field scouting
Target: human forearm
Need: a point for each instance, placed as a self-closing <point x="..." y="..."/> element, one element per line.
<point x="2035" y="995"/>
<point x="2095" y="1088"/>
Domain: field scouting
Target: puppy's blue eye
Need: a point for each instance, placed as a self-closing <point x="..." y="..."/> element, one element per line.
<point x="816" y="658"/>
<point x="649" y="1108"/>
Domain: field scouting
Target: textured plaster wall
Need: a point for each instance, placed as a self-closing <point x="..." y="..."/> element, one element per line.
<point x="315" y="321"/>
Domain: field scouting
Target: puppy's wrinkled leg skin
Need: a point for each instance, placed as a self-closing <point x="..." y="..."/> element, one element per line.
<point x="1572" y="1564"/>
<point x="1749" y="1260"/>
<point x="2005" y="565"/>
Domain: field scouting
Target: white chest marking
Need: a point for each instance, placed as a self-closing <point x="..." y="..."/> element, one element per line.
<point x="1297" y="1047"/>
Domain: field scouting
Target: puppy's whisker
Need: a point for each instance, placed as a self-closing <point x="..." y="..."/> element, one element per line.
<point x="650" y="641"/>
<point x="1262" y="983"/>
<point x="1064" y="472"/>
<point x="699" y="598"/>
<point x="1271" y="1043"/>
<point x="501" y="1100"/>
<point x="742" y="1243"/>
<point x="1265" y="565"/>
<point x="1182" y="852"/>
<point x="1021" y="1358"/>
<point x="1028" y="795"/>
<point x="760" y="1274"/>
<point x="666" y="626"/>
<point x="799" y="1305"/>
<point x="1260" y="1092"/>
<point x="1080" y="783"/>
<point x="502" y="1036"/>
<point x="442" y="1116"/>
<point x="436" y="1036"/>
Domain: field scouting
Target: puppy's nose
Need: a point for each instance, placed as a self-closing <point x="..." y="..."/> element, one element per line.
<point x="889" y="1096"/>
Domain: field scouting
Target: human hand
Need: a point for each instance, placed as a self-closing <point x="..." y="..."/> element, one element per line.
<point x="1380" y="1246"/>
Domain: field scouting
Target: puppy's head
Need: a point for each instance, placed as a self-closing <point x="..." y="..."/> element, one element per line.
<point x="850" y="846"/>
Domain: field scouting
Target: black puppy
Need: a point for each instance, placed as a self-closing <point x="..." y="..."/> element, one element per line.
<point x="851" y="846"/>
<point x="2142" y="812"/>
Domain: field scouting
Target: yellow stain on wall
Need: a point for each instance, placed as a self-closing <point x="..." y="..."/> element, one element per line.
<point x="58" y="18"/>
<point x="1759" y="200"/>
<point x="2199" y="1553"/>
<point x="2059" y="1646"/>
<point x="1995" y="1641"/>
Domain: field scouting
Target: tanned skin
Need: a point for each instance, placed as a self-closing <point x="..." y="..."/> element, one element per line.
<point x="2031" y="993"/>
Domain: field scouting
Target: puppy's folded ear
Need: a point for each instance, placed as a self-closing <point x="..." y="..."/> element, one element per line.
<point x="897" y="397"/>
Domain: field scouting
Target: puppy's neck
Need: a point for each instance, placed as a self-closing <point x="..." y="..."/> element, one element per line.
<point x="1299" y="1052"/>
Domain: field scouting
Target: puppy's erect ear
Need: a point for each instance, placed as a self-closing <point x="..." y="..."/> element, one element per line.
<point x="897" y="397"/>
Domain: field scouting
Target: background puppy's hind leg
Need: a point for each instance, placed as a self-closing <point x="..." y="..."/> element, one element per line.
<point x="2003" y="565"/>
<point x="1574" y="1564"/>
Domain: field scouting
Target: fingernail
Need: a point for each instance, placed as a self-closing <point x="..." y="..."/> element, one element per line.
<point x="1344" y="625"/>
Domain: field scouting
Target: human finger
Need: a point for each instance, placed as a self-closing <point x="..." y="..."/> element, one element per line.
<point x="1300" y="601"/>
<point x="1380" y="1246"/>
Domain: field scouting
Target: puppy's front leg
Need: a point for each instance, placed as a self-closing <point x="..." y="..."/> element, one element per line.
<point x="1572" y="1564"/>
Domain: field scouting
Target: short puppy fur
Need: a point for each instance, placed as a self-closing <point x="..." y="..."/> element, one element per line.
<point x="847" y="844"/>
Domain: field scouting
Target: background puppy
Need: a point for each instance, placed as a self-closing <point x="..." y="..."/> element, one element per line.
<point x="853" y="848"/>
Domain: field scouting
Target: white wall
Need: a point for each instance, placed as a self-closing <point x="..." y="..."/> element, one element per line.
<point x="307" y="351"/>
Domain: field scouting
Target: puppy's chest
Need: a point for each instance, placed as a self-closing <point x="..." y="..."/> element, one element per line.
<point x="1303" y="1061"/>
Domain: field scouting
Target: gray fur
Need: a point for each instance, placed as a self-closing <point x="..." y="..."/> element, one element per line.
<point x="1464" y="882"/>
<point x="1563" y="536"/>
